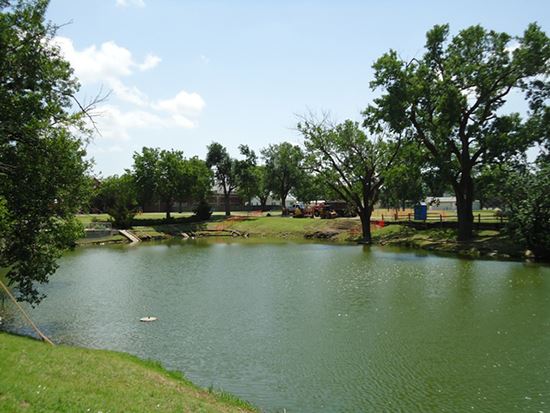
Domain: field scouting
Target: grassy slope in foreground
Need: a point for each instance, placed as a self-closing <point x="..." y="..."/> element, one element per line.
<point x="36" y="377"/>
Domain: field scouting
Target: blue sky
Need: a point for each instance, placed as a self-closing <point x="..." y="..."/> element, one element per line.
<point x="186" y="73"/>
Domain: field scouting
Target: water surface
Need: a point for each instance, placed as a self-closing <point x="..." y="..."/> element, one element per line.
<point x="314" y="327"/>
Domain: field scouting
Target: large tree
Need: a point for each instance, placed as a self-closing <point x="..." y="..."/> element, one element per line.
<point x="283" y="163"/>
<point x="232" y="174"/>
<point x="225" y="171"/>
<point x="350" y="163"/>
<point x="169" y="177"/>
<point x="43" y="179"/>
<point x="453" y="98"/>
<point x="117" y="196"/>
<point x="263" y="188"/>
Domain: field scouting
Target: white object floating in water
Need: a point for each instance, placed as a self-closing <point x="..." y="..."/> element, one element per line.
<point x="148" y="319"/>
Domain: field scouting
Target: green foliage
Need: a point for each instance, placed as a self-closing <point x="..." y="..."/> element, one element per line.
<point x="263" y="188"/>
<point x="169" y="177"/>
<point x="529" y="219"/>
<point x="247" y="178"/>
<point x="403" y="180"/>
<point x="311" y="187"/>
<point x="118" y="198"/>
<point x="231" y="174"/>
<point x="203" y="210"/>
<point x="453" y="98"/>
<point x="43" y="179"/>
<point x="283" y="163"/>
<point x="145" y="174"/>
<point x="349" y="163"/>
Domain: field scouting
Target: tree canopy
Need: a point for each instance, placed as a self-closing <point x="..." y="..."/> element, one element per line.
<point x="283" y="162"/>
<point x="43" y="170"/>
<point x="349" y="162"/>
<point x="453" y="97"/>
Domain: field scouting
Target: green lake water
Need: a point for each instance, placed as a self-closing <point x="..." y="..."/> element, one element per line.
<point x="315" y="327"/>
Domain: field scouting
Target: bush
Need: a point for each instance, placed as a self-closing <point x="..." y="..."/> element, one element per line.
<point x="203" y="211"/>
<point x="530" y="216"/>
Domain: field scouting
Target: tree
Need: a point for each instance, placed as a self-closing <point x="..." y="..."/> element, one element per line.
<point x="403" y="180"/>
<point x="310" y="187"/>
<point x="529" y="218"/>
<point x="263" y="188"/>
<point x="225" y="171"/>
<point x="117" y="195"/>
<point x="283" y="163"/>
<point x="199" y="177"/>
<point x="173" y="181"/>
<point x="169" y="177"/>
<point x="145" y="173"/>
<point x="43" y="180"/>
<point x="350" y="163"/>
<point x="453" y="97"/>
<point x="247" y="179"/>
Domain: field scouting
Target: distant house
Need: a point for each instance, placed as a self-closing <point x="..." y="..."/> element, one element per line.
<point x="215" y="199"/>
<point x="274" y="202"/>
<point x="446" y="203"/>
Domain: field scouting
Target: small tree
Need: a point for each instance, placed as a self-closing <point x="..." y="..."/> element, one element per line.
<point x="530" y="210"/>
<point x="263" y="188"/>
<point x="169" y="177"/>
<point x="225" y="171"/>
<point x="247" y="178"/>
<point x="117" y="194"/>
<point x="350" y="163"/>
<point x="145" y="173"/>
<point x="283" y="163"/>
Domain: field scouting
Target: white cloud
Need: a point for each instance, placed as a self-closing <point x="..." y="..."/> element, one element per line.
<point x="127" y="3"/>
<point x="182" y="108"/>
<point x="150" y="62"/>
<point x="182" y="103"/>
<point x="110" y="64"/>
<point x="109" y="60"/>
<point x="114" y="123"/>
<point x="128" y="94"/>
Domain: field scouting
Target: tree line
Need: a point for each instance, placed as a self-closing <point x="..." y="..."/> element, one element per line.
<point x="439" y="124"/>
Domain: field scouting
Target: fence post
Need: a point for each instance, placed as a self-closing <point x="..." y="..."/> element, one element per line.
<point x="441" y="220"/>
<point x="409" y="217"/>
<point x="382" y="217"/>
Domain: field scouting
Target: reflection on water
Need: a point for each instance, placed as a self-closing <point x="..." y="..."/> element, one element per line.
<point x="313" y="327"/>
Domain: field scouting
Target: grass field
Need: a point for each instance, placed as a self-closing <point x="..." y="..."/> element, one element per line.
<point x="36" y="377"/>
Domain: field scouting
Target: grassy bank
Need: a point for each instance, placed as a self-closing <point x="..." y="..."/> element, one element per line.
<point x="36" y="377"/>
<point x="486" y="243"/>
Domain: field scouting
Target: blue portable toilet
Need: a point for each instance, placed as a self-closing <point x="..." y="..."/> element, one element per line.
<point x="420" y="211"/>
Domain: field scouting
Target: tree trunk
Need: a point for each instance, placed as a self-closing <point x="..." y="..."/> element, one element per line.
<point x="464" y="191"/>
<point x="263" y="202"/>
<point x="365" y="215"/>
<point x="283" y="205"/>
<point x="168" y="208"/>
<point x="227" y="204"/>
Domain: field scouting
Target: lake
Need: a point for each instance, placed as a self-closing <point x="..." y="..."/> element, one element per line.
<point x="314" y="327"/>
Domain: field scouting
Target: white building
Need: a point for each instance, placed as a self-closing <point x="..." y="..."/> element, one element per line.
<point x="446" y="203"/>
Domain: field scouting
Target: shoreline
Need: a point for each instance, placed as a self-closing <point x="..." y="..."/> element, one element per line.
<point x="487" y="244"/>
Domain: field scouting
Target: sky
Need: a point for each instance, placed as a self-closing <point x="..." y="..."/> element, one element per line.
<point x="182" y="74"/>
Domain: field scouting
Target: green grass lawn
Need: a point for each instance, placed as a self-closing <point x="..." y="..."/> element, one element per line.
<point x="36" y="377"/>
